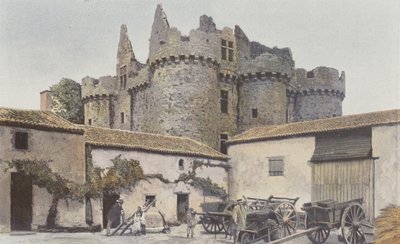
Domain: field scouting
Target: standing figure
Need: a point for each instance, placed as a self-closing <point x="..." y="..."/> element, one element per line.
<point x="140" y="219"/>
<point x="239" y="217"/>
<point x="115" y="214"/>
<point x="191" y="222"/>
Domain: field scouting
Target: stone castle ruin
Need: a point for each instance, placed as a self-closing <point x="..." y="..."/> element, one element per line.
<point x="209" y="85"/>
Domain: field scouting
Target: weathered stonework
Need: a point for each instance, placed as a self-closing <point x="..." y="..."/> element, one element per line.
<point x="178" y="91"/>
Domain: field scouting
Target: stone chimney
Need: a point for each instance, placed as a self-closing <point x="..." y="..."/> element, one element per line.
<point x="45" y="100"/>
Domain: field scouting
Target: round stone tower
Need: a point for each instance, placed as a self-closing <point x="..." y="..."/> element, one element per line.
<point x="262" y="91"/>
<point x="98" y="98"/>
<point x="183" y="93"/>
<point x="319" y="94"/>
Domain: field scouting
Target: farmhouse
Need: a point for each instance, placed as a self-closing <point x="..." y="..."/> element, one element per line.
<point x="38" y="135"/>
<point x="166" y="156"/>
<point x="338" y="158"/>
<point x="71" y="150"/>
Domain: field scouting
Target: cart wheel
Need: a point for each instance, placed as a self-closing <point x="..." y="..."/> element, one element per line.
<point x="246" y="238"/>
<point x="287" y="218"/>
<point x="227" y="221"/>
<point x="212" y="225"/>
<point x="352" y="219"/>
<point x="319" y="236"/>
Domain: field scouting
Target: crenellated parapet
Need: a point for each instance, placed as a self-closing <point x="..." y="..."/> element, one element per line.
<point x="321" y="80"/>
<point x="268" y="62"/>
<point x="184" y="59"/>
<point x="265" y="76"/>
<point x="228" y="78"/>
<point x="96" y="88"/>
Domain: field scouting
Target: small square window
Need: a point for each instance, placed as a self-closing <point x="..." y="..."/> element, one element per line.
<point x="230" y="44"/>
<point x="90" y="121"/>
<point x="254" y="113"/>
<point x="275" y="166"/>
<point x="223" y="42"/>
<point x="181" y="164"/>
<point x="149" y="199"/>
<point x="21" y="140"/>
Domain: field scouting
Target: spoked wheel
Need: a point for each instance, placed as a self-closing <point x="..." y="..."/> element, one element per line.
<point x="227" y="221"/>
<point x="319" y="236"/>
<point x="353" y="219"/>
<point x="212" y="225"/>
<point x="287" y="218"/>
<point x="246" y="238"/>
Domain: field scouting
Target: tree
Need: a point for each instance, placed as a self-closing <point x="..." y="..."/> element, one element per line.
<point x="67" y="100"/>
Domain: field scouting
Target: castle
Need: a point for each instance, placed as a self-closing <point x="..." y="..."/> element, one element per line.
<point x="209" y="85"/>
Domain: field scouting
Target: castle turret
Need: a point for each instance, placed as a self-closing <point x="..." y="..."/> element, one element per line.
<point x="127" y="70"/>
<point x="98" y="99"/>
<point x="318" y="94"/>
<point x="262" y="91"/>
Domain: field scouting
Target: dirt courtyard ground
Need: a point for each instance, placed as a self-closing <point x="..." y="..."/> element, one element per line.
<point x="177" y="235"/>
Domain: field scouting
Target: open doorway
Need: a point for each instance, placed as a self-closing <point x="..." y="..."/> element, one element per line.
<point x="21" y="202"/>
<point x="109" y="200"/>
<point x="182" y="207"/>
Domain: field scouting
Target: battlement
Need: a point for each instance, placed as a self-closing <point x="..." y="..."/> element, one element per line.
<point x="320" y="79"/>
<point x="268" y="62"/>
<point x="186" y="59"/>
<point x="104" y="86"/>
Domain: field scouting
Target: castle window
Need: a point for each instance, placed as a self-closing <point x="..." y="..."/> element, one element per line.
<point x="21" y="140"/>
<point x="254" y="113"/>
<point x="122" y="118"/>
<point x="310" y="74"/>
<point x="275" y="166"/>
<point x="222" y="143"/>
<point x="90" y="121"/>
<point x="181" y="164"/>
<point x="226" y="50"/>
<point x="150" y="198"/>
<point x="224" y="102"/>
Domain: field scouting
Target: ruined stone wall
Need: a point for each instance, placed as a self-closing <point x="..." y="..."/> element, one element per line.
<point x="319" y="94"/>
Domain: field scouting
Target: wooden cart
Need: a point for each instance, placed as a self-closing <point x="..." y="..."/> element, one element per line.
<point x="321" y="218"/>
<point x="350" y="216"/>
<point x="217" y="216"/>
<point x="269" y="219"/>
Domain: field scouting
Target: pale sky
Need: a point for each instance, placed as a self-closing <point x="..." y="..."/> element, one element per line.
<point x="42" y="41"/>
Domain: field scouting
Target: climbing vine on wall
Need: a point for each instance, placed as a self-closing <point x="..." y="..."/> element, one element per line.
<point x="209" y="188"/>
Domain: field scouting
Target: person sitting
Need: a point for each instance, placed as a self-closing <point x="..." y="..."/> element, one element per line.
<point x="115" y="215"/>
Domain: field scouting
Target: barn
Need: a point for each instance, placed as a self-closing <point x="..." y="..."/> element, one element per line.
<point x="341" y="158"/>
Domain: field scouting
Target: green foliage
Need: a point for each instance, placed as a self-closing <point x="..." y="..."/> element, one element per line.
<point x="209" y="188"/>
<point x="67" y="101"/>
<point x="44" y="177"/>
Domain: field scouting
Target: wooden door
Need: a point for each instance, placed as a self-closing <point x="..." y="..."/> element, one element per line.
<point x="345" y="180"/>
<point x="108" y="201"/>
<point x="21" y="202"/>
<point x="182" y="207"/>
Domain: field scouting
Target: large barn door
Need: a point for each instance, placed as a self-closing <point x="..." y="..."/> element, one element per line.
<point x="343" y="181"/>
